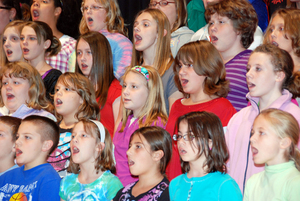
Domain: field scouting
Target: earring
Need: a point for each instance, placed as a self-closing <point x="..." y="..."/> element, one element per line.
<point x="10" y="20"/>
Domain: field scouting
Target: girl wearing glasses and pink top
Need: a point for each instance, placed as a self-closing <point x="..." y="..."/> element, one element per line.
<point x="203" y="154"/>
<point x="176" y="12"/>
<point x="104" y="16"/>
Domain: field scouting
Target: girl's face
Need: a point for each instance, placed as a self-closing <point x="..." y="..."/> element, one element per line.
<point x="45" y="11"/>
<point x="191" y="82"/>
<point x="32" y="50"/>
<point x="277" y="35"/>
<point x="6" y="141"/>
<point x="140" y="156"/>
<point x="169" y="10"/>
<point x="11" y="44"/>
<point x="95" y="15"/>
<point x="66" y="100"/>
<point x="135" y="92"/>
<point x="145" y="33"/>
<point x="265" y="143"/>
<point x="14" y="92"/>
<point x="222" y="33"/>
<point x="84" y="147"/>
<point x="188" y="150"/>
<point x="261" y="78"/>
<point x="84" y="57"/>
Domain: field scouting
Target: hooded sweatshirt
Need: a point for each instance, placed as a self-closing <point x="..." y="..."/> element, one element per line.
<point x="180" y="37"/>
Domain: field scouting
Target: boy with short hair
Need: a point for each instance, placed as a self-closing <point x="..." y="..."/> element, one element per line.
<point x="37" y="137"/>
<point x="8" y="130"/>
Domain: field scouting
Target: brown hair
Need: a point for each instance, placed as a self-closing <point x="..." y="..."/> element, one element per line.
<point x="163" y="55"/>
<point x="101" y="74"/>
<point x="285" y="125"/>
<point x="207" y="126"/>
<point x="84" y="88"/>
<point x="48" y="129"/>
<point x="36" y="92"/>
<point x="289" y="16"/>
<point x="13" y="123"/>
<point x="155" y="104"/>
<point x="105" y="159"/>
<point x="158" y="139"/>
<point x="114" y="20"/>
<point x="282" y="61"/>
<point x="241" y="13"/>
<point x="44" y="33"/>
<point x="206" y="61"/>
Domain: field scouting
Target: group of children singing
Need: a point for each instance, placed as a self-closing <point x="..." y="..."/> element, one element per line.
<point x="153" y="120"/>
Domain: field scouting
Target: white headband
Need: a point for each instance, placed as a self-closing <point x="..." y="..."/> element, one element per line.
<point x="101" y="129"/>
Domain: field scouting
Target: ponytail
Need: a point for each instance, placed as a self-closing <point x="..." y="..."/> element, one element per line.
<point x="294" y="84"/>
<point x="295" y="155"/>
<point x="54" y="47"/>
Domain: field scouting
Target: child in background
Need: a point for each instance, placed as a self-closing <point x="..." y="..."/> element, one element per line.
<point x="144" y="105"/>
<point x="74" y="98"/>
<point x="200" y="74"/>
<point x="274" y="139"/>
<point x="92" y="164"/>
<point x="177" y="15"/>
<point x="151" y="47"/>
<point x="104" y="16"/>
<point x="284" y="33"/>
<point x="37" y="41"/>
<point x="8" y="130"/>
<point x="150" y="150"/>
<point x="11" y="47"/>
<point x="63" y="16"/>
<point x="23" y="92"/>
<point x="37" y="137"/>
<point x="203" y="154"/>
<point x="94" y="60"/>
<point x="232" y="24"/>
<point x="270" y="80"/>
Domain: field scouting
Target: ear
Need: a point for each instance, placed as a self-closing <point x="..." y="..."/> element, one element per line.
<point x="280" y="76"/>
<point x="285" y="143"/>
<point x="157" y="155"/>
<point x="12" y="13"/>
<point x="47" y="44"/>
<point x="47" y="145"/>
<point x="100" y="146"/>
<point x="57" y="11"/>
<point x="165" y="32"/>
<point x="14" y="148"/>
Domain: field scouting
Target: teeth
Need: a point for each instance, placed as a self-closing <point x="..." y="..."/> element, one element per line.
<point x="9" y="52"/>
<point x="130" y="162"/>
<point x="138" y="37"/>
<point x="75" y="150"/>
<point x="58" y="101"/>
<point x="274" y="43"/>
<point x="35" y="13"/>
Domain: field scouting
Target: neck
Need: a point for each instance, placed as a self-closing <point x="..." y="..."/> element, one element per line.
<point x="196" y="168"/>
<point x="229" y="54"/>
<point x="266" y="101"/>
<point x="40" y="65"/>
<point x="55" y="31"/>
<point x="88" y="173"/>
<point x="199" y="97"/>
<point x="296" y="61"/>
<point x="6" y="163"/>
<point x="149" y="180"/>
<point x="148" y="58"/>
<point x="68" y="121"/>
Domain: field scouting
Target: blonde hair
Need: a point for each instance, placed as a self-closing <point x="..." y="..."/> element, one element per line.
<point x="289" y="16"/>
<point x="155" y="104"/>
<point x="105" y="159"/>
<point x="163" y="56"/>
<point x="18" y="25"/>
<point x="37" y="92"/>
<point x="114" y="20"/>
<point x="285" y="125"/>
<point x="84" y="88"/>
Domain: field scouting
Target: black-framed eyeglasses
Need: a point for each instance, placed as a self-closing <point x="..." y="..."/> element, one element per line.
<point x="161" y="3"/>
<point x="3" y="7"/>
<point x="93" y="8"/>
<point x="186" y="137"/>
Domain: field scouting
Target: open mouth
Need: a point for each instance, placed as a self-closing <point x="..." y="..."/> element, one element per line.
<point x="25" y="50"/>
<point x="84" y="66"/>
<point x="250" y="85"/>
<point x="58" y="102"/>
<point x="10" y="96"/>
<point x="18" y="152"/>
<point x="254" y="151"/>
<point x="182" y="151"/>
<point x="184" y="82"/>
<point x="138" y="38"/>
<point x="274" y="43"/>
<point x="90" y="20"/>
<point x="75" y="150"/>
<point x="213" y="39"/>
<point x="9" y="53"/>
<point x="35" y="14"/>
<point x="130" y="163"/>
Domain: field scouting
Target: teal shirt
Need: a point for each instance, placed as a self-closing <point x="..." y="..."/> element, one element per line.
<point x="103" y="188"/>
<point x="196" y="17"/>
<point x="277" y="182"/>
<point x="213" y="186"/>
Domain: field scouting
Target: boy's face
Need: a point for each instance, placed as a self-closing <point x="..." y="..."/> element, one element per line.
<point x="29" y="146"/>
<point x="6" y="142"/>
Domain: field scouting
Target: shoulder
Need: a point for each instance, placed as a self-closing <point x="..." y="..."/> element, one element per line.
<point x="177" y="181"/>
<point x="182" y="32"/>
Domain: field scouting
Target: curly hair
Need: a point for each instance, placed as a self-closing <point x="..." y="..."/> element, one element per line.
<point x="241" y="13"/>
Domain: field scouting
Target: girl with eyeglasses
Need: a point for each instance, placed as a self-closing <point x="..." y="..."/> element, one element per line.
<point x="63" y="17"/>
<point x="203" y="154"/>
<point x="176" y="12"/>
<point x="104" y="16"/>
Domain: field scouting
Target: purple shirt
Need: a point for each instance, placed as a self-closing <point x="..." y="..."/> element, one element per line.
<point x="236" y="70"/>
<point x="121" y="142"/>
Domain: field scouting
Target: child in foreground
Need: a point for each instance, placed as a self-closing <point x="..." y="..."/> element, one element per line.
<point x="203" y="153"/>
<point x="8" y="130"/>
<point x="274" y="139"/>
<point x="149" y="152"/>
<point x="92" y="164"/>
<point x="37" y="137"/>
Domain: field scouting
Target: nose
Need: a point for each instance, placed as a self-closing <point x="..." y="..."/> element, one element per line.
<point x="249" y="73"/>
<point x="6" y="43"/>
<point x="7" y="86"/>
<point x="128" y="152"/>
<point x="253" y="138"/>
<point x="36" y="4"/>
<point x="212" y="28"/>
<point x="125" y="91"/>
<point x="18" y="143"/>
<point x="136" y="28"/>
<point x="273" y="34"/>
<point x="182" y="70"/>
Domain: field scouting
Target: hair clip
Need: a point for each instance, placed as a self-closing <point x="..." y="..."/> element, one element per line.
<point x="142" y="70"/>
<point x="101" y="129"/>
